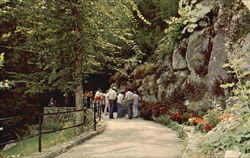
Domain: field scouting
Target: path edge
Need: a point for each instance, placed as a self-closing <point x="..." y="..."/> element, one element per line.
<point x="66" y="146"/>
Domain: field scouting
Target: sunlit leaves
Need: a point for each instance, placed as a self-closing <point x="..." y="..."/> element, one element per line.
<point x="241" y="88"/>
<point x="72" y="38"/>
<point x="1" y="59"/>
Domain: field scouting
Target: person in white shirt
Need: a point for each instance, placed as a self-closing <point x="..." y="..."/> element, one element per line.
<point x="129" y="97"/>
<point x="112" y="98"/>
<point x="120" y="103"/>
<point x="106" y="102"/>
<point x="135" y="105"/>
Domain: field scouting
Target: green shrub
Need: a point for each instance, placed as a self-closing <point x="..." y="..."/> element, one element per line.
<point x="235" y="137"/>
<point x="209" y="121"/>
<point x="195" y="91"/>
<point x="166" y="121"/>
<point x="189" y="15"/>
<point x="241" y="88"/>
<point x="118" y="77"/>
<point x="143" y="70"/>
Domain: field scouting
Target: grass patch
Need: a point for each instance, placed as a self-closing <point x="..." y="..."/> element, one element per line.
<point x="30" y="146"/>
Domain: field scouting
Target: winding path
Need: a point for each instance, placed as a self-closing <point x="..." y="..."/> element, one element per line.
<point x="125" y="138"/>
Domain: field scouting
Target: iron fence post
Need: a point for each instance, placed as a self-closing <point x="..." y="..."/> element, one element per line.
<point x="94" y="116"/>
<point x="84" y="116"/>
<point x="100" y="112"/>
<point x="40" y="134"/>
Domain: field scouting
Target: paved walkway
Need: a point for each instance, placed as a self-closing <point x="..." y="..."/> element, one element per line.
<point x="125" y="138"/>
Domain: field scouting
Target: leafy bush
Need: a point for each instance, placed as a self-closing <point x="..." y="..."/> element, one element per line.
<point x="166" y="121"/>
<point x="236" y="137"/>
<point x="208" y="122"/>
<point x="171" y="105"/>
<point x="118" y="78"/>
<point x="241" y="88"/>
<point x="235" y="132"/>
<point x="194" y="91"/>
<point x="143" y="70"/>
<point x="190" y="13"/>
<point x="216" y="89"/>
<point x="147" y="37"/>
<point x="150" y="111"/>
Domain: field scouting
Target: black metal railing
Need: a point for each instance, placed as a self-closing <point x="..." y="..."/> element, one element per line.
<point x="97" y="111"/>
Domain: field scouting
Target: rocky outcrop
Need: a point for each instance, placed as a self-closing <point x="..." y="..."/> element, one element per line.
<point x="200" y="56"/>
<point x="148" y="88"/>
<point x="218" y="58"/>
<point x="178" y="61"/>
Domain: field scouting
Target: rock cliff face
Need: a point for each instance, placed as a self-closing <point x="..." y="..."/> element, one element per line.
<point x="196" y="63"/>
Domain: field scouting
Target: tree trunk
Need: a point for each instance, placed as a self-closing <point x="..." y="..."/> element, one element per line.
<point x="79" y="106"/>
<point x="78" y="66"/>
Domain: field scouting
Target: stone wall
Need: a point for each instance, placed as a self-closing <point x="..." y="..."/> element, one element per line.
<point x="58" y="118"/>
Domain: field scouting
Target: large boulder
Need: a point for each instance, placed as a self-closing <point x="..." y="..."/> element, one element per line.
<point x="148" y="89"/>
<point x="242" y="49"/>
<point x="218" y="59"/>
<point x="195" y="56"/>
<point x="178" y="58"/>
<point x="178" y="61"/>
<point x="246" y="52"/>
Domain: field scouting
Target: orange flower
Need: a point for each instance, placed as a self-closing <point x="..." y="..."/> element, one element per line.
<point x="192" y="116"/>
<point x="199" y="120"/>
<point x="208" y="127"/>
<point x="224" y="117"/>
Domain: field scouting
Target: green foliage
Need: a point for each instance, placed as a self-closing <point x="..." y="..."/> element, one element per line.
<point x="189" y="14"/>
<point x="158" y="11"/>
<point x="233" y="134"/>
<point x="143" y="70"/>
<point x="195" y="91"/>
<point x="5" y="84"/>
<point x="236" y="137"/>
<point x="241" y="88"/>
<point x="147" y="37"/>
<point x="119" y="77"/>
<point x="1" y="60"/>
<point x="192" y="12"/>
<point x="29" y="146"/>
<point x="166" y="121"/>
<point x="209" y="121"/>
<point x="70" y="39"/>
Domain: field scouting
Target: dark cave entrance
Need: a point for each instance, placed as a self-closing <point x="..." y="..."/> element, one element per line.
<point x="95" y="81"/>
<point x="91" y="83"/>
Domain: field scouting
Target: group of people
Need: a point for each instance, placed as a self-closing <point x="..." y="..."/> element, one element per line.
<point x="87" y="99"/>
<point x="125" y="102"/>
